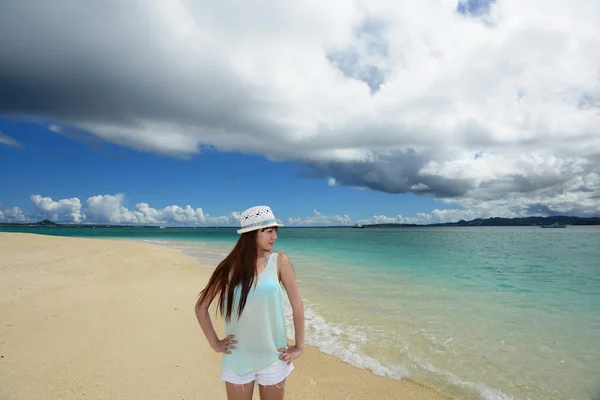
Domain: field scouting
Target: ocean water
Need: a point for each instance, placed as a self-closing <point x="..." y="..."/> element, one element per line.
<point x="479" y="313"/>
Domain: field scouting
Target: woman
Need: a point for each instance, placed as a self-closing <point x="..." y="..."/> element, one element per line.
<point x="247" y="284"/>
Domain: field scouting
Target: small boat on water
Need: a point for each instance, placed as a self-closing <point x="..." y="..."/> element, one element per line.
<point x="554" y="225"/>
<point x="359" y="226"/>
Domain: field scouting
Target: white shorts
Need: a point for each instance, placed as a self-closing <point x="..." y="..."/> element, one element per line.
<point x="269" y="375"/>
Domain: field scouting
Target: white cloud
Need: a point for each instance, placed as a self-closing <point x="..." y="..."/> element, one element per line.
<point x="9" y="141"/>
<point x="384" y="219"/>
<point x="13" y="215"/>
<point x="106" y="208"/>
<point x="65" y="210"/>
<point x="331" y="182"/>
<point x="55" y="128"/>
<point x="318" y="219"/>
<point x="394" y="96"/>
<point x="109" y="209"/>
<point x="471" y="209"/>
<point x="436" y="216"/>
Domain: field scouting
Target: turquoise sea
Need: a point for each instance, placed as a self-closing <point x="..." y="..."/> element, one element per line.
<point x="479" y="313"/>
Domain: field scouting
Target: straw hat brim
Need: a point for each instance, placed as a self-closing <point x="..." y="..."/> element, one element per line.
<point x="255" y="228"/>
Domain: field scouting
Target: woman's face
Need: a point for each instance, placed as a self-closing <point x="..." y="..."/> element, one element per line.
<point x="265" y="238"/>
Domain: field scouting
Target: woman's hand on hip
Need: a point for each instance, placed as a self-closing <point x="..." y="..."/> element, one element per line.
<point x="225" y="345"/>
<point x="290" y="354"/>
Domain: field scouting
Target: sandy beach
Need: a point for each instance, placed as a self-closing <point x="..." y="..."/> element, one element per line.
<point x="114" y="319"/>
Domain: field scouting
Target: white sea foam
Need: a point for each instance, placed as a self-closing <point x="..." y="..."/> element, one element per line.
<point x="154" y="241"/>
<point x="345" y="342"/>
<point x="342" y="341"/>
<point x="486" y="392"/>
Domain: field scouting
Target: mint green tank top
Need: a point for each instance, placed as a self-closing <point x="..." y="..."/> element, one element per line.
<point x="260" y="330"/>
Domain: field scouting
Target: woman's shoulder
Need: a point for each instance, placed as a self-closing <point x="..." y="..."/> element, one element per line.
<point x="276" y="253"/>
<point x="282" y="258"/>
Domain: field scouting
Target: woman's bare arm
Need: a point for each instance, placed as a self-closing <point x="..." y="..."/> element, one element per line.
<point x="288" y="279"/>
<point x="203" y="316"/>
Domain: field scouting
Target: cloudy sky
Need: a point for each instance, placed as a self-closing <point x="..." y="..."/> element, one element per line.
<point x="187" y="112"/>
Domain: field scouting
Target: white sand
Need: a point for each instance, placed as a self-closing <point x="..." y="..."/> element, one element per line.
<point x="114" y="319"/>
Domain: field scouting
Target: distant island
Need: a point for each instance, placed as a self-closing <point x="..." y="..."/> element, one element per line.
<point x="495" y="221"/>
<point x="49" y="224"/>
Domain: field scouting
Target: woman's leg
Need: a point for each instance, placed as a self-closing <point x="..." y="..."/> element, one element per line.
<point x="272" y="392"/>
<point x="239" y="392"/>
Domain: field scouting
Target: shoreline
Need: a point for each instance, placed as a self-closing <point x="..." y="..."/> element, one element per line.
<point x="109" y="318"/>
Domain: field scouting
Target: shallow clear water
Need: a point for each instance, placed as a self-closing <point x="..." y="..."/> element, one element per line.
<point x="493" y="313"/>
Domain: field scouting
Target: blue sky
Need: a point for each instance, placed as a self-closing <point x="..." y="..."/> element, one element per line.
<point x="52" y="165"/>
<point x="409" y="112"/>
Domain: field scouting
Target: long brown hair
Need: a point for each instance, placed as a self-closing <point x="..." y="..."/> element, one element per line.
<point x="238" y="268"/>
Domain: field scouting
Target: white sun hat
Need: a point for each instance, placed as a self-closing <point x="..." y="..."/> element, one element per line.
<point x="257" y="218"/>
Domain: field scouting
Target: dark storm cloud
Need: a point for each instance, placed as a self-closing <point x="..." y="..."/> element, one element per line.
<point x="393" y="172"/>
<point x="81" y="64"/>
